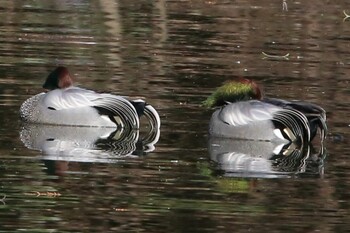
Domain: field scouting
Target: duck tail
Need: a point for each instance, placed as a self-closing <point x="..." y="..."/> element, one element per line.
<point x="152" y="116"/>
<point x="323" y="126"/>
<point x="143" y="108"/>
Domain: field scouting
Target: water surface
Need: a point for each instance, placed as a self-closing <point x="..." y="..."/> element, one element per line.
<point x="173" y="53"/>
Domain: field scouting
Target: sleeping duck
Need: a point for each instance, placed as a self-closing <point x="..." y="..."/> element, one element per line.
<point x="243" y="113"/>
<point x="65" y="104"/>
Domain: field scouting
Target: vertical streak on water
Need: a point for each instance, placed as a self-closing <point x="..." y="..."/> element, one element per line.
<point x="163" y="36"/>
<point x="111" y="8"/>
<point x="162" y="20"/>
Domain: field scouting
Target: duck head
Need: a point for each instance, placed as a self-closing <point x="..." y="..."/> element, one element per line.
<point x="233" y="91"/>
<point x="58" y="79"/>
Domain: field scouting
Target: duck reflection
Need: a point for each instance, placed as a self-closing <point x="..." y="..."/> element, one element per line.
<point x="63" y="144"/>
<point x="265" y="159"/>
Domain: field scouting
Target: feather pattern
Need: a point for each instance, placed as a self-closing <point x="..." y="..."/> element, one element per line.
<point x="119" y="106"/>
<point x="74" y="98"/>
<point x="294" y="121"/>
<point x="246" y="112"/>
<point x="314" y="114"/>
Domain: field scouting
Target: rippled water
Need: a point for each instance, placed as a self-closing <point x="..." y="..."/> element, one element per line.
<point x="173" y="53"/>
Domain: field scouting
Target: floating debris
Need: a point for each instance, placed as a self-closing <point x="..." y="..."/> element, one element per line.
<point x="2" y="200"/>
<point x="346" y="16"/>
<point x="276" y="56"/>
<point x="48" y="194"/>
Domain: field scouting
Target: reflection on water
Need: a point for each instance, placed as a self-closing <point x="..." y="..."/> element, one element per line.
<point x="87" y="144"/>
<point x="174" y="53"/>
<point x="265" y="159"/>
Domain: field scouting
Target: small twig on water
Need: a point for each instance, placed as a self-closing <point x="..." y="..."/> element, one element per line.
<point x="276" y="56"/>
<point x="2" y="200"/>
<point x="47" y="194"/>
<point x="120" y="209"/>
<point x="346" y="16"/>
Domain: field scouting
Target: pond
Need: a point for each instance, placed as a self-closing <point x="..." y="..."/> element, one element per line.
<point x="173" y="54"/>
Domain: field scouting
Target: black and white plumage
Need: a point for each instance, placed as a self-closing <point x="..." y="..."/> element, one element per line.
<point x="267" y="119"/>
<point x="65" y="104"/>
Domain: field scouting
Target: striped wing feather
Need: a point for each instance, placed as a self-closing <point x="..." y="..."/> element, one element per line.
<point x="75" y="97"/>
<point x="118" y="106"/>
<point x="292" y="122"/>
<point x="315" y="115"/>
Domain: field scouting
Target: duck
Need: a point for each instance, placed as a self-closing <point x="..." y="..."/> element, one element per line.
<point x="66" y="104"/>
<point x="242" y="112"/>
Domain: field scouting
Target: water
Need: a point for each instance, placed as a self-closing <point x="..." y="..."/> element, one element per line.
<point x="173" y="53"/>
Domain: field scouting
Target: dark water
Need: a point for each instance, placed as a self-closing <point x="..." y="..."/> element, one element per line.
<point x="174" y="53"/>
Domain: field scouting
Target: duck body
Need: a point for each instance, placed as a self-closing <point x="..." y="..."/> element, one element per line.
<point x="244" y="120"/>
<point x="65" y="104"/>
<point x="70" y="106"/>
<point x="265" y="119"/>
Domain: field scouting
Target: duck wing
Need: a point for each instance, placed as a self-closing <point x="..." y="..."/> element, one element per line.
<point x="309" y="109"/>
<point x="245" y="112"/>
<point x="315" y="114"/>
<point x="115" y="107"/>
<point x="292" y="124"/>
<point x="72" y="97"/>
